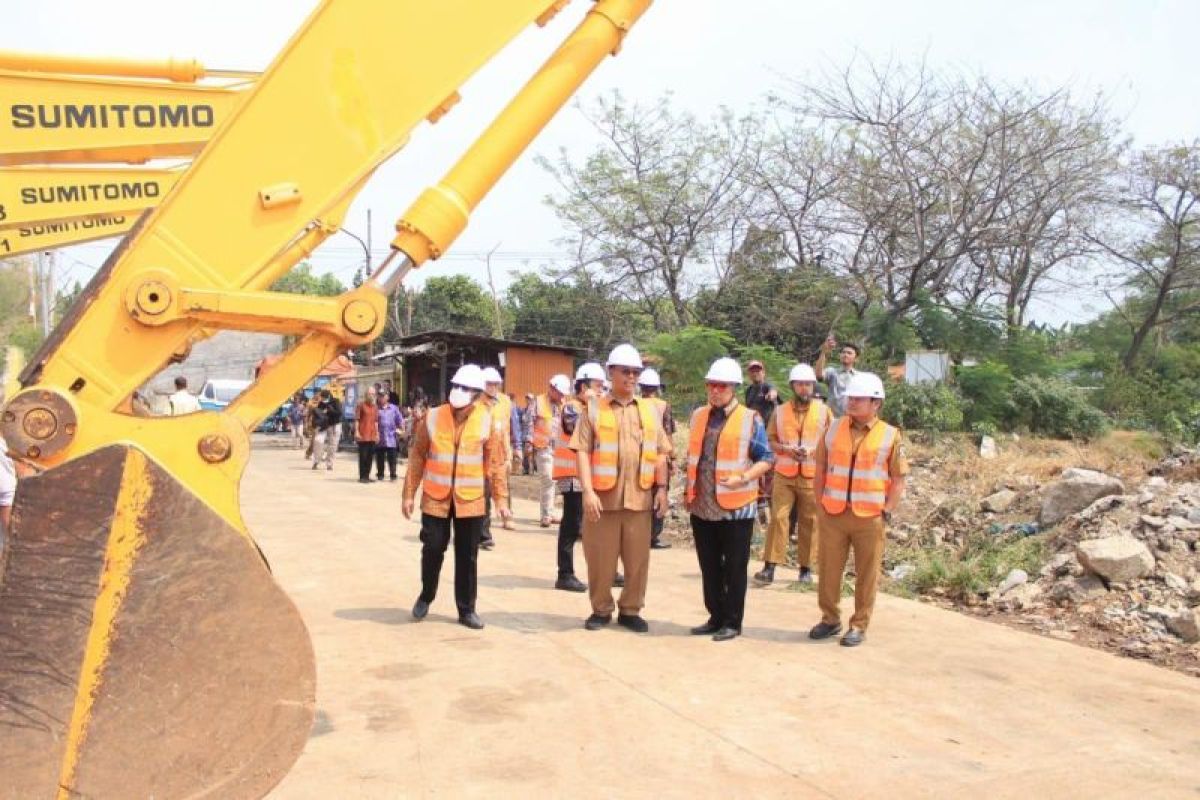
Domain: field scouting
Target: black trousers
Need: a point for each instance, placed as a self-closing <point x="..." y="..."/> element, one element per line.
<point x="366" y="451"/>
<point x="569" y="528"/>
<point x="385" y="455"/>
<point x="723" y="550"/>
<point x="435" y="538"/>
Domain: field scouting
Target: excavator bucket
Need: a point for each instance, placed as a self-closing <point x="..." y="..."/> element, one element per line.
<point x="126" y="606"/>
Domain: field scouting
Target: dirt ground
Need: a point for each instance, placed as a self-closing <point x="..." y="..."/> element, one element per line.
<point x="935" y="704"/>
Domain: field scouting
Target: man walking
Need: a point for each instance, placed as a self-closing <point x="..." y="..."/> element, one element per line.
<point x="546" y="408"/>
<point x="837" y="380"/>
<point x="502" y="413"/>
<point x="860" y="477"/>
<point x="391" y="426"/>
<point x="621" y="453"/>
<point x="650" y="388"/>
<point x="327" y="421"/>
<point x="455" y="452"/>
<point x="366" y="434"/>
<point x="794" y="432"/>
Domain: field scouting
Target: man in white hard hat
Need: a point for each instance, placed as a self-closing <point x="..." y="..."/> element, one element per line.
<point x="794" y="432"/>
<point x="860" y="477"/>
<point x="727" y="454"/>
<point x="456" y="452"/>
<point x="650" y="388"/>
<point x="546" y="409"/>
<point x="588" y="384"/>
<point x="622" y="454"/>
<point x="503" y="414"/>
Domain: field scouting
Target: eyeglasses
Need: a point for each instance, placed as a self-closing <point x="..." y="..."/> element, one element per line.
<point x="718" y="386"/>
<point x="628" y="372"/>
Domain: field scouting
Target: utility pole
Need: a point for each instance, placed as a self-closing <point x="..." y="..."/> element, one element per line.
<point x="498" y="323"/>
<point x="48" y="296"/>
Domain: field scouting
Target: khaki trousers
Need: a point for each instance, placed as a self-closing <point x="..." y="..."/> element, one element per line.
<point x="785" y="494"/>
<point x="617" y="533"/>
<point x="839" y="533"/>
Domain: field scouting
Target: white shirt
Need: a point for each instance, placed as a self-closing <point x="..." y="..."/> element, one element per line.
<point x="183" y="402"/>
<point x="8" y="476"/>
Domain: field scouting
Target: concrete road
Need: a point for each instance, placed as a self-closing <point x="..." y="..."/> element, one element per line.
<point x="934" y="705"/>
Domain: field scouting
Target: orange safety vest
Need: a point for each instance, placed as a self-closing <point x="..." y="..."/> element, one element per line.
<point x="543" y="417"/>
<point x="733" y="455"/>
<point x="565" y="463"/>
<point x="501" y="408"/>
<point x="605" y="456"/>
<point x="859" y="476"/>
<point x="806" y="432"/>
<point x="456" y="465"/>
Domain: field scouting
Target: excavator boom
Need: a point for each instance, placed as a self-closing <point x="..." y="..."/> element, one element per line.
<point x="145" y="650"/>
<point x="38" y="195"/>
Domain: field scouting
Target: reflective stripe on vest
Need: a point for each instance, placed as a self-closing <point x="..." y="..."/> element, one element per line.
<point x="605" y="438"/>
<point x="733" y="456"/>
<point x="565" y="463"/>
<point x="861" y="476"/>
<point x="543" y="415"/>
<point x="458" y="466"/>
<point x="789" y="430"/>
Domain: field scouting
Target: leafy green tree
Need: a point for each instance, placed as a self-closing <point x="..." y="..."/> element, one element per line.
<point x="453" y="303"/>
<point x="684" y="358"/>
<point x="302" y="280"/>
<point x="571" y="311"/>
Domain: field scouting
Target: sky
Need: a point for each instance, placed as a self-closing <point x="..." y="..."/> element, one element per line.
<point x="708" y="54"/>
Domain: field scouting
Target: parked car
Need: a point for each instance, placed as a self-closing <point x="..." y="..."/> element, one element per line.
<point x="220" y="392"/>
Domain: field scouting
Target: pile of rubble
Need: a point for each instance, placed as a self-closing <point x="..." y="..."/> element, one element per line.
<point x="1124" y="571"/>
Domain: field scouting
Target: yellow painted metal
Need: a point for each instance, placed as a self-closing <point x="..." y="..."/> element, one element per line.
<point x="63" y="119"/>
<point x="36" y="238"/>
<point x="440" y="214"/>
<point x="35" y="195"/>
<point x="180" y="70"/>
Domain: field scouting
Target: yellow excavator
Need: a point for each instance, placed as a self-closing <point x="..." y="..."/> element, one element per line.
<point x="145" y="650"/>
<point x="67" y="111"/>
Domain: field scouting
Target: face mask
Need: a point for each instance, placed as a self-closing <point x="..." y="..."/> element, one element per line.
<point x="460" y="398"/>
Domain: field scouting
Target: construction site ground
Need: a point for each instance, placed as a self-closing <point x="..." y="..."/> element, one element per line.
<point x="935" y="704"/>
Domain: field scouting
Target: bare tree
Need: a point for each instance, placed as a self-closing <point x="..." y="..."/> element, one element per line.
<point x="1157" y="239"/>
<point x="654" y="200"/>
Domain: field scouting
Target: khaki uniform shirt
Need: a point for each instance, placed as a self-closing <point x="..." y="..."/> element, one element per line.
<point x="495" y="467"/>
<point x="773" y="440"/>
<point x="628" y="494"/>
<point x="897" y="463"/>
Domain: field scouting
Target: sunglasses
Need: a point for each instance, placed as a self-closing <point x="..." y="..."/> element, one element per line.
<point x="629" y="372"/>
<point x="718" y="386"/>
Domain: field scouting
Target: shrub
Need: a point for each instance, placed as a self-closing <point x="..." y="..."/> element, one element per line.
<point x="923" y="406"/>
<point x="1053" y="407"/>
<point x="985" y="389"/>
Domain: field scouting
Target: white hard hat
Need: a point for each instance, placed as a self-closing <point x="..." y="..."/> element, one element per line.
<point x="725" y="370"/>
<point x="649" y="377"/>
<point x="468" y="376"/>
<point x="491" y="375"/>
<point x="802" y="372"/>
<point x="865" y="384"/>
<point x="562" y="383"/>
<point x="591" y="371"/>
<point x="624" y="355"/>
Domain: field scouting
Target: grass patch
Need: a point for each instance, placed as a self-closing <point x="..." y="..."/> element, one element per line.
<point x="982" y="562"/>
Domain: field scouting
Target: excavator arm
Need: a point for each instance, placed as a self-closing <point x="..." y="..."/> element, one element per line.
<point x="138" y="622"/>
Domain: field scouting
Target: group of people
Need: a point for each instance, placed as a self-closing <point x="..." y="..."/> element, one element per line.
<point x="603" y="441"/>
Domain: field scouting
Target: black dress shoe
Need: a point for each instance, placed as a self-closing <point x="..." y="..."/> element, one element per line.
<point x="633" y="622"/>
<point x="570" y="584"/>
<point x="420" y="609"/>
<point x="619" y="581"/>
<point x="706" y="629"/>
<point x="766" y="576"/>
<point x="805" y="575"/>
<point x="726" y="633"/>
<point x="470" y="620"/>
<point x="659" y="544"/>
<point x="853" y="638"/>
<point x="597" y="621"/>
<point x="823" y="630"/>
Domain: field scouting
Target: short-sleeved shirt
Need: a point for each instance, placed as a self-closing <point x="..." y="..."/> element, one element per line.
<point x="628" y="494"/>
<point x="8" y="476"/>
<point x="367" y="417"/>
<point x="837" y="380"/>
